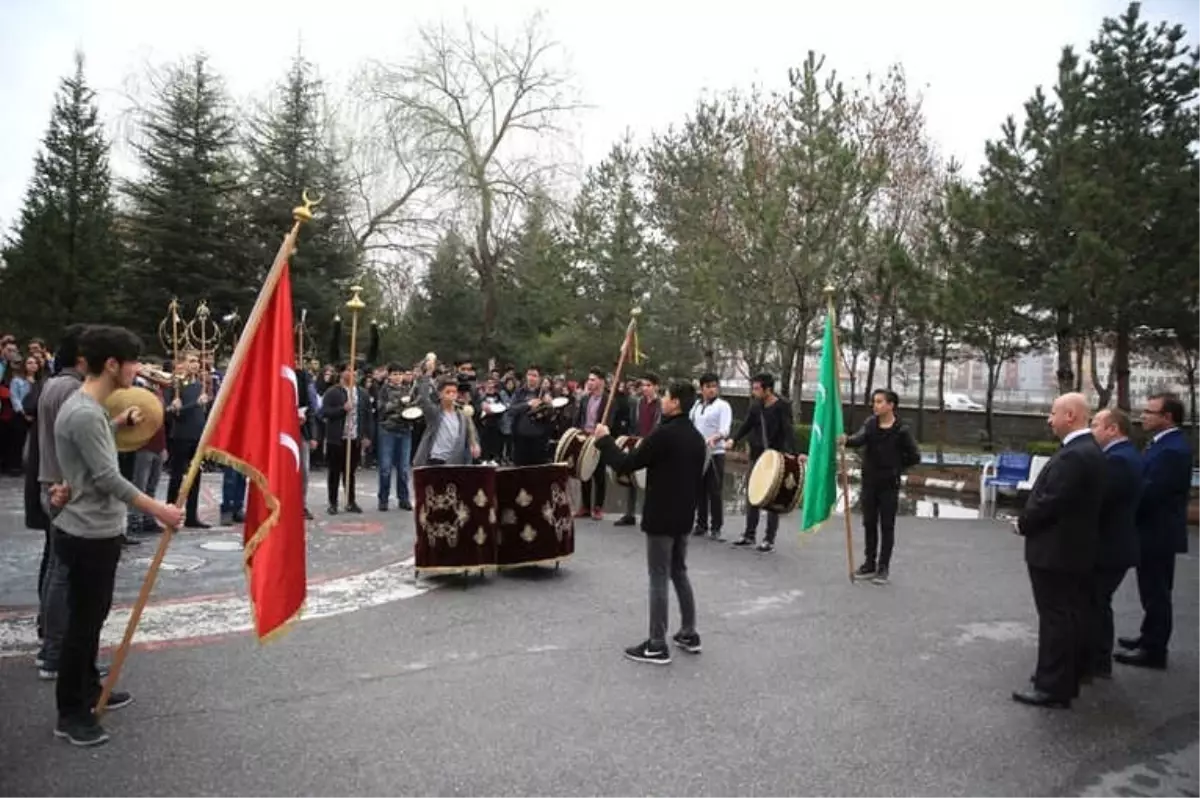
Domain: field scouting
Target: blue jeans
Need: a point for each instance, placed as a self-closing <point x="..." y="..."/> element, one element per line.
<point x="394" y="450"/>
<point x="233" y="491"/>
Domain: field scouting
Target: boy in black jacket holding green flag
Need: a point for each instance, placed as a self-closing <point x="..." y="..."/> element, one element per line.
<point x="888" y="449"/>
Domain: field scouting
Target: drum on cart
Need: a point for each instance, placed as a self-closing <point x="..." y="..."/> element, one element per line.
<point x="627" y="443"/>
<point x="776" y="482"/>
<point x="456" y="517"/>
<point x="577" y="450"/>
<point x="536" y="525"/>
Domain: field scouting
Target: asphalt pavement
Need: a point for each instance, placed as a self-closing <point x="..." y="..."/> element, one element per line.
<point x="515" y="684"/>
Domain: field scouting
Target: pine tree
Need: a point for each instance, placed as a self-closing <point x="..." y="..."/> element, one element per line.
<point x="611" y="253"/>
<point x="445" y="315"/>
<point x="63" y="261"/>
<point x="537" y="298"/>
<point x="184" y="233"/>
<point x="290" y="153"/>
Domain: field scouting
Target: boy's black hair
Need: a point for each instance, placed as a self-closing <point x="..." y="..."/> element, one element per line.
<point x="765" y="380"/>
<point x="102" y="342"/>
<point x="683" y="392"/>
<point x="891" y="396"/>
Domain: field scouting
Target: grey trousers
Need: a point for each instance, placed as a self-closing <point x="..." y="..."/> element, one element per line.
<point x="53" y="597"/>
<point x="666" y="558"/>
<point x="147" y="472"/>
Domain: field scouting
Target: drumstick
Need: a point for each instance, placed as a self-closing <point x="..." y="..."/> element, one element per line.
<point x="612" y="391"/>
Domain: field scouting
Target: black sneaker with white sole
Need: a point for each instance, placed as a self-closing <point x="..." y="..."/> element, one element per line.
<point x="648" y="652"/>
<point x="865" y="571"/>
<point x="689" y="643"/>
<point x="766" y="547"/>
<point x="881" y="576"/>
<point x="117" y="699"/>
<point x="743" y="542"/>
<point x="81" y="733"/>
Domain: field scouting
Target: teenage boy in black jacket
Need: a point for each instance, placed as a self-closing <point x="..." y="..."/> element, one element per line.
<point x="673" y="456"/>
<point x="768" y="425"/>
<point x="888" y="449"/>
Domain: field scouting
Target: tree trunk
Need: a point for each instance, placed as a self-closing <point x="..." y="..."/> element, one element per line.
<point x="787" y="369"/>
<point x="941" y="433"/>
<point x="798" y="382"/>
<point x="1062" y="336"/>
<point x="994" y="364"/>
<point x="1121" y="363"/>
<point x="1080" y="350"/>
<point x="921" y="362"/>
<point x="1103" y="392"/>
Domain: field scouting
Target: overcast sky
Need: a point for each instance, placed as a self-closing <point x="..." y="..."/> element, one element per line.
<point x="640" y="65"/>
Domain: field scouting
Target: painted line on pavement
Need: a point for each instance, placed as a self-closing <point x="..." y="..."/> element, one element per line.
<point x="174" y="622"/>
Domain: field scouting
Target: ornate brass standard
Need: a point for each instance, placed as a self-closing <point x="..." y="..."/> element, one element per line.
<point x="172" y="333"/>
<point x="302" y="333"/>
<point x="204" y="335"/>
<point x="355" y="305"/>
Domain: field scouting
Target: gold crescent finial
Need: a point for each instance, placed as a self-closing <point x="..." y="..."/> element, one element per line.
<point x="304" y="213"/>
<point x="829" y="291"/>
<point x="355" y="302"/>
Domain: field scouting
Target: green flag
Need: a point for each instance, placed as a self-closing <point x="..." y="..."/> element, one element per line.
<point x="820" y="476"/>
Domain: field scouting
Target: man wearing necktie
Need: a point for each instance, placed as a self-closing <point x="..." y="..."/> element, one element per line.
<point x="1162" y="528"/>
<point x="1060" y="525"/>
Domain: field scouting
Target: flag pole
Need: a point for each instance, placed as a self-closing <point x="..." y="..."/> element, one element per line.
<point x="621" y="358"/>
<point x="300" y="214"/>
<point x="837" y="362"/>
<point x="355" y="304"/>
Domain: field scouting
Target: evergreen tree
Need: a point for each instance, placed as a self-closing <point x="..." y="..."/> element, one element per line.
<point x="445" y="314"/>
<point x="185" y="236"/>
<point x="537" y="301"/>
<point x="62" y="262"/>
<point x="611" y="254"/>
<point x="290" y="153"/>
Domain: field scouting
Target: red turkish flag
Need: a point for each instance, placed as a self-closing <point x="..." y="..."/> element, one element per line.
<point x="258" y="433"/>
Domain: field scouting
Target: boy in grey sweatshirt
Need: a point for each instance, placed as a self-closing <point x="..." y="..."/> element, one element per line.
<point x="87" y="531"/>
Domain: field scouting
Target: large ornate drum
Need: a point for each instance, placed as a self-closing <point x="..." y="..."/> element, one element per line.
<point x="456" y="518"/>
<point x="536" y="525"/>
<point x="577" y="450"/>
<point x="627" y="443"/>
<point x="777" y="482"/>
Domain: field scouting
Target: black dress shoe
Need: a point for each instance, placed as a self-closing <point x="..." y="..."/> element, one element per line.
<point x="1036" y="698"/>
<point x="1131" y="643"/>
<point x="353" y="508"/>
<point x="195" y="523"/>
<point x="1142" y="659"/>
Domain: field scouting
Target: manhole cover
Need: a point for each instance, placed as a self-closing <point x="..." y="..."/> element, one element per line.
<point x="222" y="545"/>
<point x="179" y="563"/>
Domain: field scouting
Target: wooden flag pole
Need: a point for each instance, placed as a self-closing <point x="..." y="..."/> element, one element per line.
<point x="301" y="215"/>
<point x="837" y="361"/>
<point x="612" y="393"/>
<point x="355" y="304"/>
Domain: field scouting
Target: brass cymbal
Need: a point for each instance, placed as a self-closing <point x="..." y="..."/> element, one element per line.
<point x="130" y="439"/>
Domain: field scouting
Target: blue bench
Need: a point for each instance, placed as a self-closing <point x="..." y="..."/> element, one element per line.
<point x="1007" y="470"/>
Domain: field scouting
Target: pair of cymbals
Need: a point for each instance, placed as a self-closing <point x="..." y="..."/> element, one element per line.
<point x="131" y="438"/>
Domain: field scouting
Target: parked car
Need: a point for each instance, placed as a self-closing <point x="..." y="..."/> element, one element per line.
<point x="960" y="401"/>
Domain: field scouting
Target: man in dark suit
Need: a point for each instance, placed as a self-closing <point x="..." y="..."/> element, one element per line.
<point x="1060" y="525"/>
<point x="1162" y="528"/>
<point x="673" y="454"/>
<point x="1117" y="547"/>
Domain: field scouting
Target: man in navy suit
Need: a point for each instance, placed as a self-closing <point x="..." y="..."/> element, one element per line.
<point x="1162" y="528"/>
<point x="1117" y="546"/>
<point x="1060" y="525"/>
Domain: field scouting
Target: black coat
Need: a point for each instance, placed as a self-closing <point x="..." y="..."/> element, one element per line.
<point x="673" y="456"/>
<point x="1061" y="519"/>
<point x="333" y="411"/>
<point x="1117" y="547"/>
